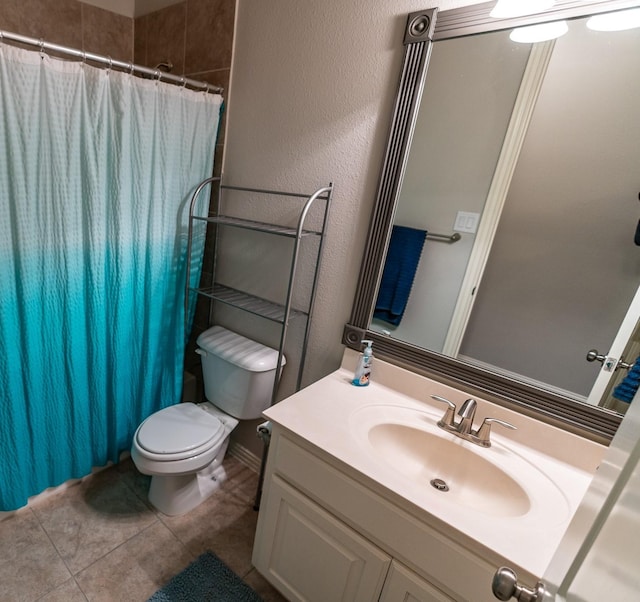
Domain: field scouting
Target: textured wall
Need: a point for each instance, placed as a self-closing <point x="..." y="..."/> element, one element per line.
<point x="312" y="90"/>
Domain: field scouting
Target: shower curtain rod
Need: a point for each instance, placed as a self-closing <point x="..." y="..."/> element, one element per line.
<point x="107" y="60"/>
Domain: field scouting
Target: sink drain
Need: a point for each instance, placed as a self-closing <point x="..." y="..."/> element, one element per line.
<point x="439" y="484"/>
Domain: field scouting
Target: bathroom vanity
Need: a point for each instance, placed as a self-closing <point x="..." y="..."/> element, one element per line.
<point x="349" y="511"/>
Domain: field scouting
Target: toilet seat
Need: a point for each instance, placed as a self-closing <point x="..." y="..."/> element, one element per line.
<point x="177" y="432"/>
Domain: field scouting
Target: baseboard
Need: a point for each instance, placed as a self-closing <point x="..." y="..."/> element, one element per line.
<point x="245" y="456"/>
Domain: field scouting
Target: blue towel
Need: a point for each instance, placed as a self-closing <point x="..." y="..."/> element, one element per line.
<point x="627" y="389"/>
<point x="403" y="256"/>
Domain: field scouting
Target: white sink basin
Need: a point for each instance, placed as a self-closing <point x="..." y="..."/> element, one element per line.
<point x="470" y="480"/>
<point x="495" y="481"/>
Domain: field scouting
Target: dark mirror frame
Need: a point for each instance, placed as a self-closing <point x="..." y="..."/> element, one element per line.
<point x="423" y="28"/>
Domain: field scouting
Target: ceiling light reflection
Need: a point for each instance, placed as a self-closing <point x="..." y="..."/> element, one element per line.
<point x="618" y="21"/>
<point x="539" y="33"/>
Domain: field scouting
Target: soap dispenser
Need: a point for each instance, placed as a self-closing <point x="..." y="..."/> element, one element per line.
<point x="362" y="375"/>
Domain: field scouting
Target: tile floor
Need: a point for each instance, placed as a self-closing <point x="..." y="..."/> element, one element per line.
<point x="100" y="540"/>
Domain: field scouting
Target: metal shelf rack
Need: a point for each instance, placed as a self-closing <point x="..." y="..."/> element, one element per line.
<point x="280" y="313"/>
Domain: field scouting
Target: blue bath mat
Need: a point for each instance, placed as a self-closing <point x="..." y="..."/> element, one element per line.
<point x="206" y="579"/>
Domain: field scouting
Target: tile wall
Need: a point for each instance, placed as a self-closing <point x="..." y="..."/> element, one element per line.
<point x="70" y="23"/>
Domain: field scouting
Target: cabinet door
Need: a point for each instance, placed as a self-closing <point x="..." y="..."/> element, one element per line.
<point x="309" y="555"/>
<point x="403" y="585"/>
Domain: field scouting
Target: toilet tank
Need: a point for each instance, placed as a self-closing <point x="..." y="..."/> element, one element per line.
<point x="238" y="373"/>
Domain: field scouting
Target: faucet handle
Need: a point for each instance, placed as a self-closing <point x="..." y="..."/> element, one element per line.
<point x="484" y="432"/>
<point x="449" y="415"/>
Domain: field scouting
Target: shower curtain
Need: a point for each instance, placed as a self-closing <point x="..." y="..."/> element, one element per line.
<point x="96" y="171"/>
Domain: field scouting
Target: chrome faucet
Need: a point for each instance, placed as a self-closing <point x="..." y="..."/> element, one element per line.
<point x="464" y="427"/>
<point x="467" y="413"/>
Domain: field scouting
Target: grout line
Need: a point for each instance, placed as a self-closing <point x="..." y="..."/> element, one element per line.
<point x="122" y="543"/>
<point x="184" y="37"/>
<point x="61" y="495"/>
<point x="122" y="477"/>
<point x="82" y="25"/>
<point x="243" y="577"/>
<point x="219" y="70"/>
<point x="44" y="529"/>
<point x="72" y="577"/>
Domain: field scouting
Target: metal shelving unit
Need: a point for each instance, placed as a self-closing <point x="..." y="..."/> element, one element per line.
<point x="280" y="313"/>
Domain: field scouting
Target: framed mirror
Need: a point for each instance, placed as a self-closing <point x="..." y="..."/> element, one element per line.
<point x="506" y="214"/>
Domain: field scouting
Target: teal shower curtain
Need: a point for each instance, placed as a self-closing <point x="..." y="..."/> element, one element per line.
<point x="96" y="172"/>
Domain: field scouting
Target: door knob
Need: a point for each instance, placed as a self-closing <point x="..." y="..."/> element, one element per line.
<point x="593" y="355"/>
<point x="505" y="586"/>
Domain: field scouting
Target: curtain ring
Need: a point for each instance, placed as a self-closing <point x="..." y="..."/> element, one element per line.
<point x="158" y="75"/>
<point x="42" y="52"/>
<point x="131" y="68"/>
<point x="110" y="65"/>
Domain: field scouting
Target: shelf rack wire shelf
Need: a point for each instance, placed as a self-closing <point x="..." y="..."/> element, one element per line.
<point x="280" y="313"/>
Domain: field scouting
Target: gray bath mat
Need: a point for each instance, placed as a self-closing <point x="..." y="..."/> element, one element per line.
<point x="206" y="579"/>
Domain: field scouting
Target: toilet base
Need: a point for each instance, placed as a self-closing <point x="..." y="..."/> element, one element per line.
<point x="178" y="494"/>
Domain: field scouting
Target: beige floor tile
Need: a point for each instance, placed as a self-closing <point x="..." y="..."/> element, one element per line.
<point x="89" y="520"/>
<point x="264" y="589"/>
<point x="67" y="592"/>
<point x="241" y="480"/>
<point x="118" y="547"/>
<point x="136" y="569"/>
<point x="30" y="565"/>
<point x="137" y="481"/>
<point x="224" y="524"/>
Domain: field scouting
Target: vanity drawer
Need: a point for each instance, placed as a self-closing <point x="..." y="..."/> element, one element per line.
<point x="452" y="567"/>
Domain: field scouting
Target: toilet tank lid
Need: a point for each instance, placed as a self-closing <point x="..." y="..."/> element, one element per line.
<point x="238" y="350"/>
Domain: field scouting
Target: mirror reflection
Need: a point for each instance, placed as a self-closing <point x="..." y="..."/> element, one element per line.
<point x="529" y="154"/>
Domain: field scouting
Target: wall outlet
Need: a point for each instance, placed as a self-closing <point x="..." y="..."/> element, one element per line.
<point x="466" y="222"/>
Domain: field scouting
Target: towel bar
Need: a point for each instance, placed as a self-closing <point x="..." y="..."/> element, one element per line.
<point x="450" y="238"/>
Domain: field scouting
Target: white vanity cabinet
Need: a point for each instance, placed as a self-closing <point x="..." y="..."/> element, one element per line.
<point x="326" y="534"/>
<point x="403" y="584"/>
<point x="311" y="555"/>
<point x="308" y="554"/>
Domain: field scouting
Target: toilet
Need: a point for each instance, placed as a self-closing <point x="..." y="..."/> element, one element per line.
<point x="183" y="445"/>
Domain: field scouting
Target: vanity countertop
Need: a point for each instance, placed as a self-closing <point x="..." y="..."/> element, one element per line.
<point x="331" y="414"/>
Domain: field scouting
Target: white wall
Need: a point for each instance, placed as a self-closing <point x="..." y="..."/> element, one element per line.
<point x="312" y="87"/>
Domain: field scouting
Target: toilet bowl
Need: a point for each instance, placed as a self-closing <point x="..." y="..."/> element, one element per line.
<point x="182" y="446"/>
<point x="185" y="444"/>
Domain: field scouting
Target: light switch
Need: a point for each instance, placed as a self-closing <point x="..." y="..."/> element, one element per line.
<point x="466" y="222"/>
